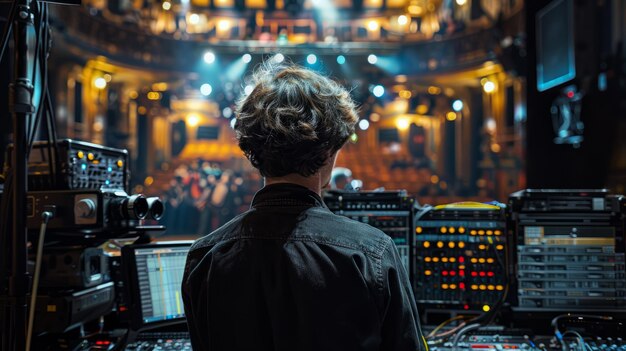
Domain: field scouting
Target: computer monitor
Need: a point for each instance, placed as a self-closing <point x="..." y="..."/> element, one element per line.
<point x="154" y="276"/>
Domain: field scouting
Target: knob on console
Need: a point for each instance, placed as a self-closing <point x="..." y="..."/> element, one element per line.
<point x="85" y="208"/>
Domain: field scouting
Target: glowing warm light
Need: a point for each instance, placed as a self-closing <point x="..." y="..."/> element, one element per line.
<point x="364" y="124"/>
<point x="461" y="245"/>
<point x="443" y="230"/>
<point x="451" y="116"/>
<point x="223" y="25"/>
<point x="426" y="244"/>
<point x="499" y="287"/>
<point x="457" y="105"/>
<point x="148" y="181"/>
<point x="341" y="59"/>
<point x="372" y="59"/>
<point x="374" y="117"/>
<point x="142" y="110"/>
<point x="107" y="77"/>
<point x="167" y="5"/>
<point x="422" y="109"/>
<point x="490" y="260"/>
<point x="434" y="179"/>
<point x="153" y="95"/>
<point x="405" y="94"/>
<point x="495" y="148"/>
<point x="133" y="94"/>
<point x="354" y="138"/>
<point x="278" y="58"/>
<point x="451" y="230"/>
<point x="440" y="244"/>
<point x="451" y="244"/>
<point x="162" y="86"/>
<point x="402" y="123"/>
<point x="435" y="259"/>
<point x="444" y="286"/>
<point x="402" y="20"/>
<point x="489" y="87"/>
<point x="372" y="25"/>
<point x="194" y="18"/>
<point x="311" y="59"/>
<point x="433" y="90"/>
<point x="418" y="230"/>
<point x="428" y="272"/>
<point x="415" y="10"/>
<point x="246" y="58"/>
<point x="499" y="247"/>
<point x="206" y="89"/>
<point x="193" y="119"/>
<point x="461" y="230"/>
<point x="486" y="308"/>
<point x="209" y="57"/>
<point x="461" y="2"/>
<point x="427" y="259"/>
<point x="444" y="259"/>
<point x="100" y="83"/>
<point x="378" y="91"/>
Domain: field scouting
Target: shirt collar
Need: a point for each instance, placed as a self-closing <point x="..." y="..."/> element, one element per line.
<point x="286" y="194"/>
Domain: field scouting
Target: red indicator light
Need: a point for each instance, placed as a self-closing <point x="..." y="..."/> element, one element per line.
<point x="461" y="259"/>
<point x="466" y="307"/>
<point x="474" y="274"/>
<point x="99" y="342"/>
<point x="570" y="94"/>
<point x="482" y="274"/>
<point x="479" y="346"/>
<point x="462" y="287"/>
<point x="490" y="274"/>
<point x="462" y="273"/>
<point x="444" y="273"/>
<point x="453" y="273"/>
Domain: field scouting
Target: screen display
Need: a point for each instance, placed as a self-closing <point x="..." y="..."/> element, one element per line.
<point x="160" y="274"/>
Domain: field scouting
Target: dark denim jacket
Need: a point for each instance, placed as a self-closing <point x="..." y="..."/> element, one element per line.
<point x="290" y="275"/>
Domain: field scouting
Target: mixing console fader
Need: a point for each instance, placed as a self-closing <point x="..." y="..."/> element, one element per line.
<point x="460" y="256"/>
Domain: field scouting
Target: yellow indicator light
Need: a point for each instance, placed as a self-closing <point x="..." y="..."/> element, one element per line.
<point x="490" y="260"/>
<point x="489" y="232"/>
<point x="444" y="259"/>
<point x="462" y="267"/>
<point x="451" y="230"/>
<point x="461" y="244"/>
<point x="481" y="260"/>
<point x="444" y="286"/>
<point x="440" y="244"/>
<point x="482" y="287"/>
<point x="451" y="244"/>
<point x="486" y="308"/>
<point x="500" y="247"/>
<point x="444" y="230"/>
<point x="472" y="232"/>
<point x="435" y="259"/>
<point x="473" y="260"/>
<point x="428" y="272"/>
<point x="499" y="287"/>
<point x="452" y="259"/>
<point x="474" y="287"/>
<point x="90" y="156"/>
<point x="120" y="163"/>
<point x="461" y="230"/>
<point x="418" y="230"/>
<point x="426" y="244"/>
<point x="481" y="247"/>
<point x="427" y="259"/>
<point x="80" y="154"/>
<point x="481" y="232"/>
<point x="490" y="287"/>
<point x="497" y="232"/>
<point x="452" y="286"/>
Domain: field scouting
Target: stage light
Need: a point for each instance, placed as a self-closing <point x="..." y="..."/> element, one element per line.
<point x="311" y="59"/>
<point x="248" y="89"/>
<point x="451" y="116"/>
<point x="374" y="117"/>
<point x="489" y="87"/>
<point x="378" y="91"/>
<point x="354" y="138"/>
<point x="433" y="90"/>
<point x="341" y="59"/>
<point x="402" y="123"/>
<point x="232" y="123"/>
<point x="227" y="112"/>
<point x="278" y="58"/>
<point x="194" y="18"/>
<point x="193" y="119"/>
<point x="372" y="25"/>
<point x="402" y="20"/>
<point x="167" y="5"/>
<point x="209" y="57"/>
<point x="364" y="124"/>
<point x="372" y="59"/>
<point x="457" y="105"/>
<point x="153" y="95"/>
<point x="223" y="25"/>
<point x="100" y="83"/>
<point x="246" y="58"/>
<point x="206" y="89"/>
<point x="461" y="2"/>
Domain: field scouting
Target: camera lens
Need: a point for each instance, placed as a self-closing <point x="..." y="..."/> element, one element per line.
<point x="156" y="207"/>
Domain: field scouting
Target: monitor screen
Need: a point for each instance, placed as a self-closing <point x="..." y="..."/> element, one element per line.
<point x="555" y="44"/>
<point x="159" y="273"/>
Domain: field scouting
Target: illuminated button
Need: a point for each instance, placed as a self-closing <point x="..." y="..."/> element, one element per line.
<point x="490" y="287"/>
<point x="499" y="287"/>
<point x="481" y="232"/>
<point x="462" y="285"/>
<point x="435" y="259"/>
<point x="451" y="244"/>
<point x="440" y="244"/>
<point x="486" y="308"/>
<point x="497" y="232"/>
<point x="482" y="287"/>
<point x="428" y="272"/>
<point x="500" y="247"/>
<point x="461" y="244"/>
<point x="474" y="274"/>
<point x="427" y="259"/>
<point x="474" y="287"/>
<point x="426" y="244"/>
<point x="481" y="247"/>
<point x="444" y="286"/>
<point x="490" y="274"/>
<point x="452" y="259"/>
<point x="481" y="260"/>
<point x="462" y="266"/>
<point x="453" y="273"/>
<point x="80" y="154"/>
<point x="489" y="232"/>
<point x="418" y="230"/>
<point x="461" y="259"/>
<point x="473" y="260"/>
<point x="90" y="156"/>
<point x="120" y="163"/>
<point x="451" y="230"/>
<point x="444" y="259"/>
<point x="461" y="230"/>
<point x="472" y="232"/>
<point x="452" y="286"/>
<point x="482" y="274"/>
<point x="490" y="260"/>
<point x="444" y="273"/>
<point x="461" y="273"/>
<point x="444" y="230"/>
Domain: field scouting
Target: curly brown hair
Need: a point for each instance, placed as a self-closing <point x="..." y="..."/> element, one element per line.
<point x="293" y="120"/>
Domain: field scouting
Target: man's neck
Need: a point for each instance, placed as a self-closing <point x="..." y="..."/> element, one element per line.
<point x="313" y="183"/>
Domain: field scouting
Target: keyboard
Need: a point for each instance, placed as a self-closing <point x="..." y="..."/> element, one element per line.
<point x="160" y="341"/>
